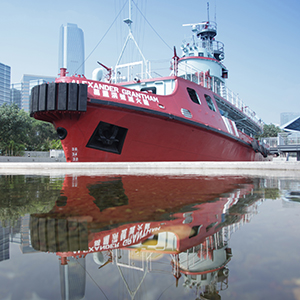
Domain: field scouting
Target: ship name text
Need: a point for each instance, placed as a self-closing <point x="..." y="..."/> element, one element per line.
<point x="123" y="238"/>
<point x="117" y="93"/>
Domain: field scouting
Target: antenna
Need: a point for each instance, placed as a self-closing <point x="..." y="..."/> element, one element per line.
<point x="208" y="11"/>
<point x="215" y="11"/>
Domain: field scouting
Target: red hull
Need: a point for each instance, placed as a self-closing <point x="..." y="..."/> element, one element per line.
<point x="150" y="138"/>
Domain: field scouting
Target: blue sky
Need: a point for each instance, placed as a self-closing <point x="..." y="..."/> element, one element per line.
<point x="261" y="38"/>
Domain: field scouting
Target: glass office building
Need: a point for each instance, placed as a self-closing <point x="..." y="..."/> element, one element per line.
<point x="4" y="84"/>
<point x="71" y="49"/>
<point x="285" y="117"/>
<point x="16" y="94"/>
<point x="27" y="83"/>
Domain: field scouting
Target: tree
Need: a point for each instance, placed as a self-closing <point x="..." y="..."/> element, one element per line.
<point x="22" y="195"/>
<point x="19" y="132"/>
<point x="270" y="130"/>
<point x="40" y="136"/>
<point x="14" y="125"/>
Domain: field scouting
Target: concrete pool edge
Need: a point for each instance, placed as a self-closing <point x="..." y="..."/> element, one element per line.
<point x="175" y="168"/>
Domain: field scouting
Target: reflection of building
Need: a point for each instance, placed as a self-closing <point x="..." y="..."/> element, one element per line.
<point x="71" y="49"/>
<point x="4" y="84"/>
<point x="4" y="242"/>
<point x="72" y="279"/>
<point x="17" y="233"/>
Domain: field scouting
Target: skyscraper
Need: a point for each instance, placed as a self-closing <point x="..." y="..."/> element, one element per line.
<point x="4" y="84"/>
<point x="16" y="94"/>
<point x="71" y="49"/>
<point x="288" y="116"/>
<point x="20" y="92"/>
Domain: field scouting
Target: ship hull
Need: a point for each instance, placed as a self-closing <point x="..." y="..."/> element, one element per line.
<point x="117" y="124"/>
<point x="145" y="137"/>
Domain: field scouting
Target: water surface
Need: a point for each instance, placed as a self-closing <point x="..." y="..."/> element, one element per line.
<point x="149" y="237"/>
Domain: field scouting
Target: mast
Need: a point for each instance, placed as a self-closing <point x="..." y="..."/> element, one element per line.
<point x="130" y="36"/>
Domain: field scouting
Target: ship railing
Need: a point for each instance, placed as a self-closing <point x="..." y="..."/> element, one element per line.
<point x="217" y="86"/>
<point x="235" y="100"/>
<point x="192" y="48"/>
<point x="218" y="46"/>
<point x="211" y="45"/>
<point x="207" y="26"/>
<point x="133" y="71"/>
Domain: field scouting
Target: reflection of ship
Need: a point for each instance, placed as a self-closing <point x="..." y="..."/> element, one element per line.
<point x="114" y="219"/>
<point x="292" y="196"/>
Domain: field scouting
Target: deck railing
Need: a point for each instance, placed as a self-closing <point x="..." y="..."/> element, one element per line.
<point x="235" y="100"/>
<point x="217" y="86"/>
<point x="137" y="71"/>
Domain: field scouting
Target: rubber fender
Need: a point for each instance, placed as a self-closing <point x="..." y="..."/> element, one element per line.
<point x="60" y="96"/>
<point x="255" y="145"/>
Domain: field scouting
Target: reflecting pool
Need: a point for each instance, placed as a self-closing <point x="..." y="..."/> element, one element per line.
<point x="149" y="237"/>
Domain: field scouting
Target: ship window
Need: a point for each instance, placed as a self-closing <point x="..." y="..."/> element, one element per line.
<point x="201" y="54"/>
<point x="193" y="95"/>
<point x="150" y="89"/>
<point x="210" y="103"/>
<point x="195" y="231"/>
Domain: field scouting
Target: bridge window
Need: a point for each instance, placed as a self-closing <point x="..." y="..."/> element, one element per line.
<point x="210" y="103"/>
<point x="193" y="95"/>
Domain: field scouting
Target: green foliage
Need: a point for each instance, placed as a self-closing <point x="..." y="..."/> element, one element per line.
<point x="55" y="145"/>
<point x="270" y="131"/>
<point x="272" y="193"/>
<point x="40" y="136"/>
<point x="22" y="195"/>
<point x="13" y="127"/>
<point x="19" y="132"/>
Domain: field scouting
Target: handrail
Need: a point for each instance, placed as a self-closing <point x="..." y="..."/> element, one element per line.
<point x="235" y="100"/>
<point x="191" y="73"/>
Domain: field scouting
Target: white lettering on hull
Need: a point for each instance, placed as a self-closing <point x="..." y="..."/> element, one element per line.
<point x="113" y="92"/>
<point x="124" y="237"/>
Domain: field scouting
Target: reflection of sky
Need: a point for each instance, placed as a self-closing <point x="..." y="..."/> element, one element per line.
<point x="264" y="263"/>
<point x="23" y="276"/>
<point x="266" y="253"/>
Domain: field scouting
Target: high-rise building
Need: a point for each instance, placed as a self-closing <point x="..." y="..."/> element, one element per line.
<point x="4" y="84"/>
<point x="16" y="94"/>
<point x="288" y="116"/>
<point x="23" y="89"/>
<point x="71" y="49"/>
